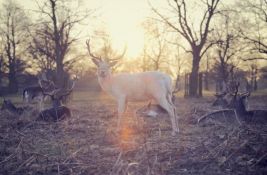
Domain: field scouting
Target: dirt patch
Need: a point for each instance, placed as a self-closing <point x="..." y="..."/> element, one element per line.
<point x="88" y="143"/>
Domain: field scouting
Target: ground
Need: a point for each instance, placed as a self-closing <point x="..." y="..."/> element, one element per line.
<point x="88" y="143"/>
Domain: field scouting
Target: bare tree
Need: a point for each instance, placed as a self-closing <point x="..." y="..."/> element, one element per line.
<point x="196" y="38"/>
<point x="42" y="47"/>
<point x="1" y="62"/>
<point x="1" y="67"/>
<point x="157" y="53"/>
<point x="156" y="49"/>
<point x="107" y="51"/>
<point x="58" y="23"/>
<point x="253" y="76"/>
<point x="207" y="72"/>
<point x="13" y="32"/>
<point x="263" y="72"/>
<point x="144" y="61"/>
<point x="255" y="34"/>
<point x="227" y="48"/>
<point x="180" y="63"/>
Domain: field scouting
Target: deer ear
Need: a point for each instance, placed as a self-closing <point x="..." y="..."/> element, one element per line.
<point x="247" y="94"/>
<point x="96" y="61"/>
<point x="113" y="63"/>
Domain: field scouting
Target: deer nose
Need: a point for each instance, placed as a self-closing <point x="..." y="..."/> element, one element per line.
<point x="102" y="73"/>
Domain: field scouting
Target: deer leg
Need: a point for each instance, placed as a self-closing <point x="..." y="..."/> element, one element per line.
<point x="40" y="104"/>
<point x="163" y="102"/>
<point x="169" y="98"/>
<point x="121" y="110"/>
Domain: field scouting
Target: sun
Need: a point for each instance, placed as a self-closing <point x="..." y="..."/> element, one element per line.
<point x="123" y="19"/>
<point x="131" y="36"/>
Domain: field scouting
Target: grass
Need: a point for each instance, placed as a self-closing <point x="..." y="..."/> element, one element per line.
<point x="88" y="142"/>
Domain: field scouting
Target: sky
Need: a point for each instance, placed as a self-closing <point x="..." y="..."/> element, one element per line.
<point x="122" y="19"/>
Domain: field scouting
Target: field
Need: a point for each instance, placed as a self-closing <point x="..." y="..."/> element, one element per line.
<point x="88" y="142"/>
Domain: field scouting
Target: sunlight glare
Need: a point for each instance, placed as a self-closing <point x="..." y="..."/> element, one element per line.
<point x="123" y="20"/>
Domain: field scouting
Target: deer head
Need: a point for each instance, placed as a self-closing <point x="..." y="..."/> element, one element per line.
<point x="243" y="100"/>
<point x="103" y="66"/>
<point x="239" y="100"/>
<point x="56" y="94"/>
<point x="233" y="87"/>
<point x="6" y="104"/>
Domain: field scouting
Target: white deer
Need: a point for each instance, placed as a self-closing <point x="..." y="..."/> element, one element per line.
<point x="125" y="87"/>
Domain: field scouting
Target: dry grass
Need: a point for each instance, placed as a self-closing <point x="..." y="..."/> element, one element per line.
<point x="88" y="143"/>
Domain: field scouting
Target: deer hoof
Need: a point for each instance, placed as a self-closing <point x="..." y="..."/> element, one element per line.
<point x="174" y="133"/>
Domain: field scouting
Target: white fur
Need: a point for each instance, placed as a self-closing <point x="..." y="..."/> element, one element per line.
<point x="27" y="97"/>
<point x="143" y="86"/>
<point x="40" y="98"/>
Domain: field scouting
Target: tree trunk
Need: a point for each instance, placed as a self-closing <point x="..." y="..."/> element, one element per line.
<point x="60" y="74"/>
<point x="1" y="69"/>
<point x="186" y="85"/>
<point x="206" y="75"/>
<point x="200" y="85"/>
<point x="255" y="84"/>
<point x="193" y="82"/>
<point x="13" y="84"/>
<point x="12" y="80"/>
<point x="255" y="80"/>
<point x="59" y="64"/>
<point x="206" y="81"/>
<point x="177" y="85"/>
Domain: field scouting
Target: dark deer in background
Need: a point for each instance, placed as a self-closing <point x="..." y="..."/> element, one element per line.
<point x="224" y="97"/>
<point x="58" y="111"/>
<point x="10" y="107"/>
<point x="31" y="92"/>
<point x="239" y="104"/>
<point x="34" y="94"/>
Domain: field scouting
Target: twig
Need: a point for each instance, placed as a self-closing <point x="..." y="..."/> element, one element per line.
<point x="20" y="133"/>
<point x="212" y="152"/>
<point x="243" y="144"/>
<point x="36" y="153"/>
<point x="19" y="144"/>
<point x="29" y="160"/>
<point x="74" y="153"/>
<point x="214" y="112"/>
<point x="117" y="161"/>
<point x="236" y="117"/>
<point x="58" y="170"/>
<point x="259" y="160"/>
<point x="29" y="124"/>
<point x="9" y="157"/>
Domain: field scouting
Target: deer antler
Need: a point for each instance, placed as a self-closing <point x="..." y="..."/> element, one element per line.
<point x="48" y="86"/>
<point x="89" y="50"/>
<point x="45" y="92"/>
<point x="52" y="93"/>
<point x="68" y="91"/>
<point x="233" y="88"/>
<point x="236" y="88"/>
<point x="119" y="57"/>
<point x="245" y="94"/>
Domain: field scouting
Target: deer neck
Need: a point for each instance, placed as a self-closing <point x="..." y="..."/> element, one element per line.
<point x="56" y="103"/>
<point x="105" y="82"/>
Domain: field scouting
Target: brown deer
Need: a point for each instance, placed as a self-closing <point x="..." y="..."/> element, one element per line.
<point x="239" y="105"/>
<point x="11" y="108"/>
<point x="33" y="94"/>
<point x="58" y="111"/>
